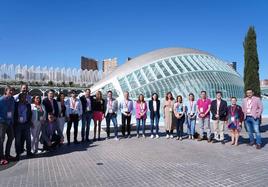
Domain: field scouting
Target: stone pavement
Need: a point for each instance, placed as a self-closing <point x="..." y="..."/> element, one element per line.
<point x="144" y="162"/>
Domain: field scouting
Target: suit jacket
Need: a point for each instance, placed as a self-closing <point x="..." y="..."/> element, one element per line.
<point x="257" y="107"/>
<point x="151" y="108"/>
<point x="28" y="114"/>
<point x="47" y="134"/>
<point x="114" y="106"/>
<point x="84" y="103"/>
<point x="223" y="110"/>
<point x="48" y="107"/>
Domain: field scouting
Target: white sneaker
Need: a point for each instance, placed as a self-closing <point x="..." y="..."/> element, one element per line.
<point x="143" y="136"/>
<point x="152" y="136"/>
<point x="138" y="136"/>
<point x="157" y="136"/>
<point x="171" y="136"/>
<point x="167" y="136"/>
<point x="180" y="138"/>
<point x="116" y="139"/>
<point x="189" y="137"/>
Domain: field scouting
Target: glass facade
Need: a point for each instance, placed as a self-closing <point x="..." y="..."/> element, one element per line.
<point x="181" y="74"/>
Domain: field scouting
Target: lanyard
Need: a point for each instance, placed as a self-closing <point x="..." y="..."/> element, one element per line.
<point x="249" y="103"/>
<point x="73" y="104"/>
<point x="126" y="104"/>
<point x="191" y="106"/>
<point x="233" y="108"/>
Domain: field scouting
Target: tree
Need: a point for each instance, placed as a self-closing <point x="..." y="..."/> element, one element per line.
<point x="71" y="84"/>
<point x="50" y="83"/>
<point x="251" y="68"/>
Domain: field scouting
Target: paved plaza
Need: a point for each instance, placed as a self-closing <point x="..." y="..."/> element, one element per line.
<point x="144" y="162"/>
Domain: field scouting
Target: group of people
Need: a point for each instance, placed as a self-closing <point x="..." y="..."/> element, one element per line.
<point x="37" y="120"/>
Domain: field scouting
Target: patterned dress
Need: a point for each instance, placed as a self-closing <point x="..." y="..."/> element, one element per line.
<point x="170" y="120"/>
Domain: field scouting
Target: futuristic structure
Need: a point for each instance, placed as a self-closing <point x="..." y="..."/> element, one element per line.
<point x="10" y="72"/>
<point x="179" y="70"/>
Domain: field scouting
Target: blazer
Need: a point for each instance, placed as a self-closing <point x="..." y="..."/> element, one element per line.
<point x="28" y="114"/>
<point x="49" y="109"/>
<point x="138" y="110"/>
<point x="45" y="137"/>
<point x="151" y="108"/>
<point x="257" y="107"/>
<point x="114" y="106"/>
<point x="129" y="106"/>
<point x="84" y="103"/>
<point x="223" y="110"/>
<point x="78" y="109"/>
<point x="61" y="109"/>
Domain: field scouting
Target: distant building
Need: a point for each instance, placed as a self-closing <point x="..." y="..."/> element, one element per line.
<point x="89" y="63"/>
<point x="233" y="65"/>
<point x="264" y="82"/>
<point x="109" y="65"/>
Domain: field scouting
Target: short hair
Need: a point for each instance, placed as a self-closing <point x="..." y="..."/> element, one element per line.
<point x="87" y="90"/>
<point x="234" y="98"/>
<point x="72" y="92"/>
<point x="249" y="89"/>
<point x="50" y="114"/>
<point x="21" y="95"/>
<point x="110" y="91"/>
<point x="24" y="84"/>
<point x="203" y="91"/>
<point x="51" y="90"/>
<point x="218" y="92"/>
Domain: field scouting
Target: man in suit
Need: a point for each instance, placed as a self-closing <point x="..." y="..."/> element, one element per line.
<point x="51" y="134"/>
<point x="51" y="105"/>
<point x="219" y="112"/>
<point x="111" y="114"/>
<point x="86" y="101"/>
<point x="253" y="108"/>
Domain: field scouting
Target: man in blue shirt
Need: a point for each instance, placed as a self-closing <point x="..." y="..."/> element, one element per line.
<point x="6" y="124"/>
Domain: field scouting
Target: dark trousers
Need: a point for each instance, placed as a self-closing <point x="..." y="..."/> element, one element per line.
<point x="22" y="133"/>
<point x="74" y="119"/>
<point x="86" y="119"/>
<point x="126" y="122"/>
<point x="179" y="126"/>
<point x="55" y="140"/>
<point x="6" y="129"/>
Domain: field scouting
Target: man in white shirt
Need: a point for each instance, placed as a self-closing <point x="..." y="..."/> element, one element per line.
<point x="74" y="114"/>
<point x="111" y="114"/>
<point x="126" y="107"/>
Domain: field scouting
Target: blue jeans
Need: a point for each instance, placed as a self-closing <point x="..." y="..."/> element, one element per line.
<point x="86" y="119"/>
<point x="253" y="126"/>
<point x="191" y="126"/>
<point x="113" y="117"/>
<point x="138" y="126"/>
<point x="155" y="121"/>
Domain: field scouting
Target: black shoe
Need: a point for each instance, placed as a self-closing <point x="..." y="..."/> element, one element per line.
<point x="30" y="154"/>
<point x="76" y="142"/>
<point x="222" y="142"/>
<point x="251" y="144"/>
<point x="94" y="140"/>
<point x="214" y="141"/>
<point x="87" y="140"/>
<point x="82" y="140"/>
<point x="68" y="143"/>
<point x="209" y="140"/>
<point x="258" y="146"/>
<point x="17" y="157"/>
<point x="10" y="158"/>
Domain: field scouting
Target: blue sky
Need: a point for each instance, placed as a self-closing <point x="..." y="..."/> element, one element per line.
<point x="57" y="32"/>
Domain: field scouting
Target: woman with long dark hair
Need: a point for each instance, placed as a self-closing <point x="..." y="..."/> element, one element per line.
<point x="154" y="107"/>
<point x="141" y="114"/>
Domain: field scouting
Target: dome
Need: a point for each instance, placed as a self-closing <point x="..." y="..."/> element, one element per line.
<point x="179" y="70"/>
